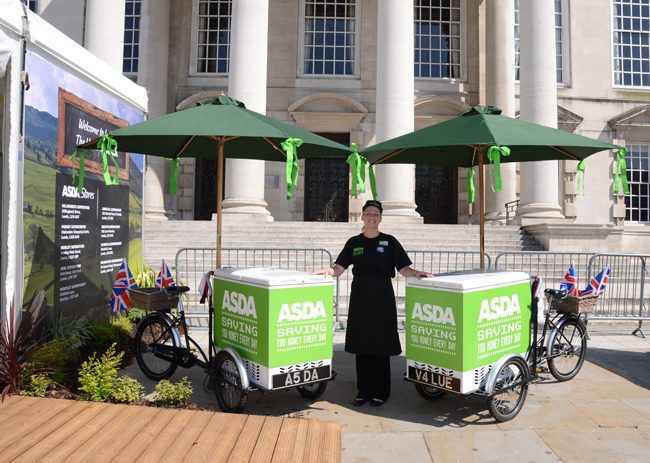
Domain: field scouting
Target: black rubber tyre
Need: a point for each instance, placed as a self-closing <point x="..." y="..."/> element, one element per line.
<point x="429" y="392"/>
<point x="151" y="331"/>
<point x="507" y="405"/>
<point x="312" y="391"/>
<point x="571" y="343"/>
<point x="230" y="397"/>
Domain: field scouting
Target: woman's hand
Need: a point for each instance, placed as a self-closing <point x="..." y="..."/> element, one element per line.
<point x="407" y="272"/>
<point x="335" y="271"/>
<point x="419" y="275"/>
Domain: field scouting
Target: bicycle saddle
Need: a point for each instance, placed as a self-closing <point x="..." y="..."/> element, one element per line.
<point x="175" y="290"/>
<point x="556" y="293"/>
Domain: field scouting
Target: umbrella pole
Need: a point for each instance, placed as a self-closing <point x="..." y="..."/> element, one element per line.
<point x="220" y="143"/>
<point x="481" y="210"/>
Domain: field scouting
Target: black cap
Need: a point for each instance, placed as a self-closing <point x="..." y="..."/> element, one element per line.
<point x="376" y="204"/>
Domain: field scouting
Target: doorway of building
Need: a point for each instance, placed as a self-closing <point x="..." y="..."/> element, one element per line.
<point x="436" y="193"/>
<point x="205" y="187"/>
<point x="327" y="186"/>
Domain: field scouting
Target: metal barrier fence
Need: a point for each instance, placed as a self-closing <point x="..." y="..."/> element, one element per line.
<point x="193" y="263"/>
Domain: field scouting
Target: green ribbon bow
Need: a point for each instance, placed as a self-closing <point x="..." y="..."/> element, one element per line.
<point x="622" y="168"/>
<point x="581" y="170"/>
<point x="359" y="164"/>
<point x="470" y="185"/>
<point x="494" y="155"/>
<point x="290" y="146"/>
<point x="107" y="144"/>
<point x="82" y="168"/>
<point x="173" y="176"/>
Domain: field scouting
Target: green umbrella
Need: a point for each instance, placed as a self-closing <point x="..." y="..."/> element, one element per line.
<point x="196" y="132"/>
<point x="482" y="135"/>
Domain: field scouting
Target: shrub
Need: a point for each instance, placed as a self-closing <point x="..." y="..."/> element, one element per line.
<point x="126" y="390"/>
<point x="97" y="376"/>
<point x="123" y="326"/>
<point x="172" y="394"/>
<point x="78" y="330"/>
<point x="37" y="386"/>
<point x="102" y="334"/>
<point x="49" y="359"/>
<point x="136" y="315"/>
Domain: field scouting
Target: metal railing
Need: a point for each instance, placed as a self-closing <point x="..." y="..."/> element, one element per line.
<point x="551" y="266"/>
<point x="193" y="263"/>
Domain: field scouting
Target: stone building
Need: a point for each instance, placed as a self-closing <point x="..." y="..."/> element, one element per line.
<point x="363" y="71"/>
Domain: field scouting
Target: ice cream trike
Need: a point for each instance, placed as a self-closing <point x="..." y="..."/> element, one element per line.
<point x="269" y="329"/>
<point x="470" y="333"/>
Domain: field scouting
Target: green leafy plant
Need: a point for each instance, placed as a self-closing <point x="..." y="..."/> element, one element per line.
<point x="126" y="390"/>
<point x="171" y="394"/>
<point x="102" y="334"/>
<point x="136" y="314"/>
<point x="78" y="330"/>
<point x="97" y="376"/>
<point x="123" y="326"/>
<point x="145" y="277"/>
<point x="49" y="361"/>
<point x="16" y="349"/>
<point x="37" y="386"/>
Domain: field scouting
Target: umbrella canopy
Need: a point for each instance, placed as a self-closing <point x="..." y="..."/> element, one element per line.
<point x="465" y="141"/>
<point x="204" y="131"/>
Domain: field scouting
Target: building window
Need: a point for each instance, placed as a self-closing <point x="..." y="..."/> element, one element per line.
<point x="213" y="39"/>
<point x="637" y="203"/>
<point x="437" y="39"/>
<point x="131" y="37"/>
<point x="631" y="43"/>
<point x="561" y="41"/>
<point x="329" y="37"/>
<point x="34" y="5"/>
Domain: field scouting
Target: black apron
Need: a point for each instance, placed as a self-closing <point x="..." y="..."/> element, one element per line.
<point x="372" y="318"/>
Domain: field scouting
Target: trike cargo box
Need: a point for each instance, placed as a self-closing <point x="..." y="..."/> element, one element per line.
<point x="459" y="324"/>
<point x="279" y="321"/>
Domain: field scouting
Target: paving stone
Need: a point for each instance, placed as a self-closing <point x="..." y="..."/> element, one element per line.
<point x="385" y="447"/>
<point x="611" y="413"/>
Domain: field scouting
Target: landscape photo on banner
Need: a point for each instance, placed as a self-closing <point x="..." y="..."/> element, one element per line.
<point x="74" y="242"/>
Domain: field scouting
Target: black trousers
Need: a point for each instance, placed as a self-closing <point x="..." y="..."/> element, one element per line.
<point x="373" y="376"/>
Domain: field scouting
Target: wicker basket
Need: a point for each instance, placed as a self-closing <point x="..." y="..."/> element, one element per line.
<point x="577" y="305"/>
<point x="152" y="299"/>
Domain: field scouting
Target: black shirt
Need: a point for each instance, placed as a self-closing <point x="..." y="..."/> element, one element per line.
<point x="373" y="257"/>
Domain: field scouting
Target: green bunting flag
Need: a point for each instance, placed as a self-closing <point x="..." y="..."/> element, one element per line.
<point x="494" y="155"/>
<point x="173" y="176"/>
<point x="82" y="167"/>
<point x="581" y="173"/>
<point x="290" y="146"/>
<point x="109" y="146"/>
<point x="622" y="168"/>
<point x="470" y="185"/>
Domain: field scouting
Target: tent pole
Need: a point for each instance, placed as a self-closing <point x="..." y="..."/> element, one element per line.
<point x="220" y="143"/>
<point x="481" y="192"/>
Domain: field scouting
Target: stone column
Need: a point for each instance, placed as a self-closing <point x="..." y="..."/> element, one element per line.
<point x="395" y="111"/>
<point x="500" y="92"/>
<point x="104" y="35"/>
<point x="538" y="104"/>
<point x="152" y="74"/>
<point x="244" y="195"/>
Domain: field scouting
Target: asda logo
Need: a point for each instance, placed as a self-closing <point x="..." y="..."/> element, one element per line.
<point x="301" y="311"/>
<point x="499" y="307"/>
<point x="433" y="313"/>
<point x="239" y="303"/>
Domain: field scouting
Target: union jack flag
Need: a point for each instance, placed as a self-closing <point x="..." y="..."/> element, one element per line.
<point x="570" y="282"/>
<point x="205" y="288"/>
<point x="597" y="285"/>
<point x="120" y="296"/>
<point x="164" y="277"/>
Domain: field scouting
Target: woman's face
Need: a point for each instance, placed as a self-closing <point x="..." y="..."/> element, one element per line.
<point x="371" y="217"/>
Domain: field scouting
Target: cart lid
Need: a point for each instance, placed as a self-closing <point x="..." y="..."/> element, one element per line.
<point x="470" y="280"/>
<point x="269" y="276"/>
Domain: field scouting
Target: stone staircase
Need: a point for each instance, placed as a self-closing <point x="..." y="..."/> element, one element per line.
<point x="164" y="238"/>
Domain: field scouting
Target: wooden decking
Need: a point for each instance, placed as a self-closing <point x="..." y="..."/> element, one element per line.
<point x="48" y="430"/>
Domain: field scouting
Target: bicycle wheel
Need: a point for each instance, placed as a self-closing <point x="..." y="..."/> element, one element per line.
<point x="570" y="347"/>
<point x="429" y="392"/>
<point x="312" y="391"/>
<point x="505" y="406"/>
<point x="230" y="397"/>
<point x="152" y="331"/>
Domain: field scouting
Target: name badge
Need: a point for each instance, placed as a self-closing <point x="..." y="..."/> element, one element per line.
<point x="383" y="243"/>
<point x="380" y="249"/>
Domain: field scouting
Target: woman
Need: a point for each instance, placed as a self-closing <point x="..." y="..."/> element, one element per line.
<point x="372" y="319"/>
